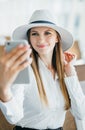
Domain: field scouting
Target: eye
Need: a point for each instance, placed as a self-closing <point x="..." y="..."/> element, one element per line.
<point x="34" y="34"/>
<point x="47" y="33"/>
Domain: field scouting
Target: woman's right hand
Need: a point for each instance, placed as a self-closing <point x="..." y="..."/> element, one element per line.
<point x="11" y="63"/>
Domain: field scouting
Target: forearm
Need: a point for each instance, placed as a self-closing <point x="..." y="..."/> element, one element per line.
<point x="76" y="95"/>
<point x="13" y="108"/>
<point x="12" y="111"/>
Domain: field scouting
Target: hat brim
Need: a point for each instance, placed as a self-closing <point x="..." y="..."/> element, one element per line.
<point x="66" y="37"/>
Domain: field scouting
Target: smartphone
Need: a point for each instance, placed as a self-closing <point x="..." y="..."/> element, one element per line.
<point x="23" y="76"/>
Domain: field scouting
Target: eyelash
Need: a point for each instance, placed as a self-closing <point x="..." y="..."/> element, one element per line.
<point x="47" y="33"/>
<point x="33" y="34"/>
<point x="36" y="34"/>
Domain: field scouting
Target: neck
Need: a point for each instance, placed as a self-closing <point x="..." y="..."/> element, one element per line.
<point x="48" y="62"/>
<point x="47" y="59"/>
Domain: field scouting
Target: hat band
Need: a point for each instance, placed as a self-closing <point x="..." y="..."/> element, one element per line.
<point x="41" y="21"/>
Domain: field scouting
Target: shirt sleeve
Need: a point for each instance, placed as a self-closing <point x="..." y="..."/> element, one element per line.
<point x="77" y="97"/>
<point x="13" y="109"/>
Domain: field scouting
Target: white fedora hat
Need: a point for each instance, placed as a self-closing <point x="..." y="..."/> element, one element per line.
<point x="43" y="18"/>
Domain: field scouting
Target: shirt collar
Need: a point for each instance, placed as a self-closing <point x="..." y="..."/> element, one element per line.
<point x="44" y="68"/>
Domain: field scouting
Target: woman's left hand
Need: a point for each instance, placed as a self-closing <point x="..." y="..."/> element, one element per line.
<point x="69" y="58"/>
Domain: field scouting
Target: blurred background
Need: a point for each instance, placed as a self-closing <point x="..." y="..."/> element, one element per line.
<point x="70" y="14"/>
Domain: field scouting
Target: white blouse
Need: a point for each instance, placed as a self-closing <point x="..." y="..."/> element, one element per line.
<point x="26" y="110"/>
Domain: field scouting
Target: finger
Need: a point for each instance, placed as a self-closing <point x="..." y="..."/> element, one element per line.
<point x="22" y="58"/>
<point x="9" y="63"/>
<point x="73" y="60"/>
<point x="70" y="54"/>
<point x="14" y="57"/>
<point x="24" y="65"/>
<point x="19" y="53"/>
<point x="15" y="50"/>
<point x="68" y="57"/>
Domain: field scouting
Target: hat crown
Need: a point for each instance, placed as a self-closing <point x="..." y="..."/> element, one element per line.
<point x="44" y="18"/>
<point x="42" y="15"/>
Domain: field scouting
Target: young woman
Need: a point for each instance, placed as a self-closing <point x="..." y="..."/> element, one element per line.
<point x="53" y="87"/>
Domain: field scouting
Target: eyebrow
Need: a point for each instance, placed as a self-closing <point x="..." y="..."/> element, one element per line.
<point x="33" y="31"/>
<point x="37" y="31"/>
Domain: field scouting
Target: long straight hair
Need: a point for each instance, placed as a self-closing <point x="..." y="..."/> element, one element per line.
<point x="57" y="63"/>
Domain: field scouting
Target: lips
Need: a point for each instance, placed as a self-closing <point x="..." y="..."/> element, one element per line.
<point x="42" y="46"/>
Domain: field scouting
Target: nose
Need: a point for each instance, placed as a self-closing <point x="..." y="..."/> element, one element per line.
<point x="41" y="39"/>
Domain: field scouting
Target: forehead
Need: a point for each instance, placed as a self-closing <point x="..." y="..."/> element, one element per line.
<point x="42" y="28"/>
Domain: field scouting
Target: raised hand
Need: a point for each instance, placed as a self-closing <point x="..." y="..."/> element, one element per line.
<point x="69" y="58"/>
<point x="11" y="64"/>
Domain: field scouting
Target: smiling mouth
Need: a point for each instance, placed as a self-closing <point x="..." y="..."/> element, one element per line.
<point x="42" y="46"/>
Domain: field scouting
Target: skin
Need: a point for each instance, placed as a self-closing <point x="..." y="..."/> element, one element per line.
<point x="68" y="58"/>
<point x="10" y="66"/>
<point x="43" y="40"/>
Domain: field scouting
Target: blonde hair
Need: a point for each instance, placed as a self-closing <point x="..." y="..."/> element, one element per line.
<point x="58" y="66"/>
<point x="61" y="73"/>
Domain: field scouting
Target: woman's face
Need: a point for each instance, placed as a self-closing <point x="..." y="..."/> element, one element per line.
<point x="43" y="40"/>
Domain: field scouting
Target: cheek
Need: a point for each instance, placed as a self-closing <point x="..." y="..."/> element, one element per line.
<point x="52" y="40"/>
<point x="33" y="41"/>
